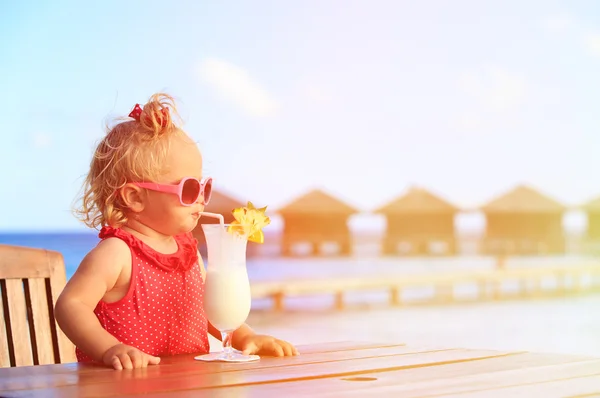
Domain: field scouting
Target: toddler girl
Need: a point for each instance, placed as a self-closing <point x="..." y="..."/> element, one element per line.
<point x="138" y="295"/>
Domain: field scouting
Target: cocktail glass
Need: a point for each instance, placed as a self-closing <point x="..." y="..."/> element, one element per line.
<point x="227" y="299"/>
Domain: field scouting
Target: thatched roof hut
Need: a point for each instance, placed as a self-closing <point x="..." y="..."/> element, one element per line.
<point x="592" y="211"/>
<point x="523" y="199"/>
<point x="417" y="201"/>
<point x="316" y="217"/>
<point x="317" y="203"/>
<point x="417" y="220"/>
<point x="523" y="221"/>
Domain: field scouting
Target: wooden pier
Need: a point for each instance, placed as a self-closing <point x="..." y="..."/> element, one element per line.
<point x="493" y="284"/>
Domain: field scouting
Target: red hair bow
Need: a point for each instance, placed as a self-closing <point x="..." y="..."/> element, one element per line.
<point x="136" y="113"/>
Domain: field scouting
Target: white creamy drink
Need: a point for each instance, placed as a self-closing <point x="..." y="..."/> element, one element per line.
<point x="227" y="296"/>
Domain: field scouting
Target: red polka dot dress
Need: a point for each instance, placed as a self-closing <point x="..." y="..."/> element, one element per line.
<point x="162" y="313"/>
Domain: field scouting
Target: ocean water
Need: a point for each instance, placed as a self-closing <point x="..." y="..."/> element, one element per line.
<point x="561" y="325"/>
<point x="74" y="247"/>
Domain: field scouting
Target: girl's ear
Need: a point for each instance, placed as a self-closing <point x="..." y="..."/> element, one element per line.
<point x="133" y="197"/>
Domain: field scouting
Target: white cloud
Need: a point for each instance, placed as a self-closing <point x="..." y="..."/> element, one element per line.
<point x="559" y="23"/>
<point x="234" y="84"/>
<point x="565" y="24"/>
<point x="592" y="44"/>
<point x="494" y="88"/>
<point x="468" y="121"/>
<point x="316" y="94"/>
<point x="507" y="90"/>
<point x="493" y="98"/>
<point x="41" y="140"/>
<point x="471" y="83"/>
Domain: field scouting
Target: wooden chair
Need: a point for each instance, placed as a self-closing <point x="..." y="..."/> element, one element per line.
<point x="30" y="282"/>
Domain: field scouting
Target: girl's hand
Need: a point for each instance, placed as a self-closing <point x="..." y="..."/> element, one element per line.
<point x="123" y="356"/>
<point x="266" y="345"/>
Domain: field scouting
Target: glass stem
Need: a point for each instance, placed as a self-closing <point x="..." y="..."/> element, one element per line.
<point x="226" y="339"/>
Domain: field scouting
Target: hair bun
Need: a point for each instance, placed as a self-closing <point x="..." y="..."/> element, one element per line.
<point x="155" y="116"/>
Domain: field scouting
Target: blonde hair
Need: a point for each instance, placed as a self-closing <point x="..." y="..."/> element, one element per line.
<point x="131" y="151"/>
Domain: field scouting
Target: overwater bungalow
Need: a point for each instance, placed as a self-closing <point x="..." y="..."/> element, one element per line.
<point x="591" y="238"/>
<point x="316" y="219"/>
<point x="523" y="221"/>
<point x="419" y="223"/>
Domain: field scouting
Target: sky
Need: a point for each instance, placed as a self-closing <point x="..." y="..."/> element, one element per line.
<point x="364" y="98"/>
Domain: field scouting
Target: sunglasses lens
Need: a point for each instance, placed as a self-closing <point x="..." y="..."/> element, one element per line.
<point x="191" y="191"/>
<point x="207" y="191"/>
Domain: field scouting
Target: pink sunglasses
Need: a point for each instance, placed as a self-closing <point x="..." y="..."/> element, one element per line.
<point x="188" y="190"/>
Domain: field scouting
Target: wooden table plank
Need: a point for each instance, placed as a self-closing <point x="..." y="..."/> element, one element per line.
<point x="310" y="354"/>
<point x="502" y="380"/>
<point x="381" y="383"/>
<point x="584" y="387"/>
<point x="340" y="346"/>
<point x="325" y="370"/>
<point x="182" y="365"/>
<point x="336" y="346"/>
<point x="150" y="380"/>
<point x="579" y="387"/>
<point x="483" y="383"/>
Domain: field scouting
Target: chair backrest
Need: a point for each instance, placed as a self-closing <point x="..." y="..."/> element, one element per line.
<point x="30" y="282"/>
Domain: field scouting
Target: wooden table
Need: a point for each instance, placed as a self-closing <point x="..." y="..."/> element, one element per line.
<point x="341" y="369"/>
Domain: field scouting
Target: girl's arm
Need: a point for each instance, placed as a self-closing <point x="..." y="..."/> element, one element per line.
<point x="97" y="274"/>
<point x="249" y="342"/>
